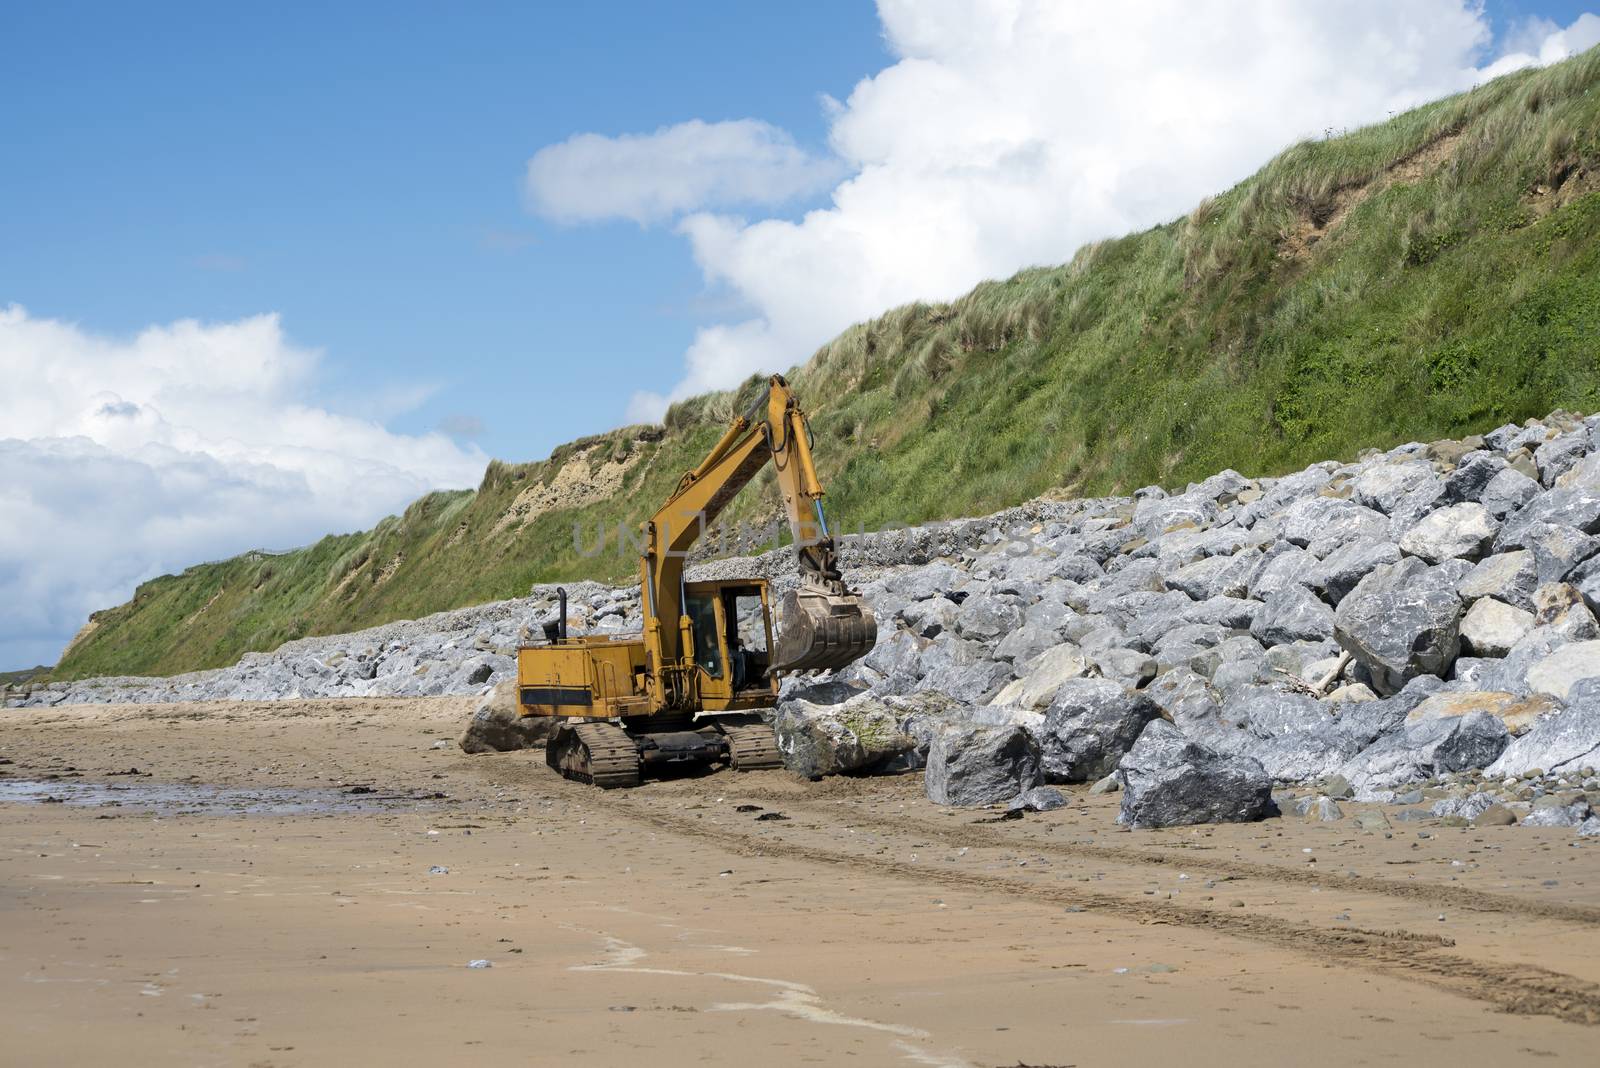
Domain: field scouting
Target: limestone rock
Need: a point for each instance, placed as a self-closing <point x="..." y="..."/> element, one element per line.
<point x="1507" y="492"/>
<point x="1518" y="714"/>
<point x="1353" y="561"/>
<point x="1557" y="673"/>
<point x="1575" y="508"/>
<point x="1424" y="749"/>
<point x="1039" y="799"/>
<point x="1459" y="532"/>
<point x="1557" y="814"/>
<point x="1319" y="809"/>
<point x="1091" y="724"/>
<point x="859" y="734"/>
<point x="497" y="725"/>
<point x="1559" y="743"/>
<point x="1045" y="676"/>
<point x="1325" y="520"/>
<point x="1401" y="621"/>
<point x="1168" y="780"/>
<point x="1127" y="667"/>
<point x="981" y="765"/>
<point x="1290" y="615"/>
<point x="1510" y="577"/>
<point x="1491" y="627"/>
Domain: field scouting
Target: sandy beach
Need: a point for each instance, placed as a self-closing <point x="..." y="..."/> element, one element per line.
<point x="307" y="883"/>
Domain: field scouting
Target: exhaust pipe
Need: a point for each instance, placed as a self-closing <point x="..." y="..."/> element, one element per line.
<point x="555" y="630"/>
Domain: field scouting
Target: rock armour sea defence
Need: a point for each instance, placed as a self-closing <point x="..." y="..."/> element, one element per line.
<point x="1286" y="627"/>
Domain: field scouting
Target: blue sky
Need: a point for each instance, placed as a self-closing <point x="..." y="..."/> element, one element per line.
<point x="356" y="167"/>
<point x="268" y="273"/>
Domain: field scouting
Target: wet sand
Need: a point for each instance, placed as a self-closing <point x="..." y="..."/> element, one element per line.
<point x="262" y="892"/>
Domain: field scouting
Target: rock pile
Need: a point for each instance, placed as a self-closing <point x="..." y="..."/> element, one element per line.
<point x="1409" y="619"/>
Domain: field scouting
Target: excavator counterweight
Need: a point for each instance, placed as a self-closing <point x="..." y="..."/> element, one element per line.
<point x="691" y="687"/>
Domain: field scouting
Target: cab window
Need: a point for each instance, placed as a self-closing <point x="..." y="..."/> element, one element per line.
<point x="702" y="615"/>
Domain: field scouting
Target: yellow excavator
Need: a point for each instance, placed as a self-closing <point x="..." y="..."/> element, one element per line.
<point x="689" y="689"/>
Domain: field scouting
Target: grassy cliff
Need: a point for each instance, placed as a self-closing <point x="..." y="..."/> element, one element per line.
<point x="1432" y="276"/>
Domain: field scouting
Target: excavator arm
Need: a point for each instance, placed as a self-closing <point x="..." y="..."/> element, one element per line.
<point x="823" y="623"/>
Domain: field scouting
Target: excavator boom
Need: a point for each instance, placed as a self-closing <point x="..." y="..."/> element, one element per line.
<point x="823" y="623"/>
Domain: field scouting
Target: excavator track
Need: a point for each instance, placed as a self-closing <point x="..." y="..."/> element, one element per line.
<point x="600" y="754"/>
<point x="752" y="747"/>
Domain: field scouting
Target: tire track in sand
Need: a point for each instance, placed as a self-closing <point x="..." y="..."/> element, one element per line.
<point x="1517" y="988"/>
<point x="1458" y="897"/>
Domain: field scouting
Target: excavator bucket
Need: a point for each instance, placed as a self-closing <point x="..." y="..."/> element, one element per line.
<point x="821" y="630"/>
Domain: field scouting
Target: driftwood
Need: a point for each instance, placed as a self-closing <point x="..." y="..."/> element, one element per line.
<point x="1318" y="689"/>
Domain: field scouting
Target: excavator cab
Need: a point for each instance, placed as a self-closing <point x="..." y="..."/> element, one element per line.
<point x="730" y="626"/>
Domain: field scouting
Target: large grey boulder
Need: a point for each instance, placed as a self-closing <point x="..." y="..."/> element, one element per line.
<point x="1168" y="780"/>
<point x="1424" y="749"/>
<point x="1585" y="474"/>
<point x="1459" y="532"/>
<point x="1401" y="621"/>
<point x="981" y="765"/>
<point x="1212" y="576"/>
<point x="1045" y="675"/>
<point x="929" y="580"/>
<point x="1490" y="627"/>
<point x="1383" y="486"/>
<point x="987" y="618"/>
<point x="1472" y="476"/>
<point x="1562" y="608"/>
<point x="1294" y="736"/>
<point x="1077" y="567"/>
<point x="1187" y="699"/>
<point x="963" y="670"/>
<point x="1153" y="517"/>
<point x="1025" y="643"/>
<point x="930" y="617"/>
<point x="1290" y="566"/>
<point x="1292" y="614"/>
<point x="1038" y="799"/>
<point x="1126" y="667"/>
<point x="1353" y="561"/>
<point x="922" y="714"/>
<point x="1507" y="492"/>
<point x="1090" y="724"/>
<point x="1562" y="742"/>
<point x="1552" y="812"/>
<point x="860" y="734"/>
<point x="1559" y="455"/>
<point x="1326" y="520"/>
<point x="1519" y="714"/>
<point x="1557" y="673"/>
<point x="1510" y="577"/>
<point x="1557" y="549"/>
<point x="1576" y="508"/>
<point x="498" y="726"/>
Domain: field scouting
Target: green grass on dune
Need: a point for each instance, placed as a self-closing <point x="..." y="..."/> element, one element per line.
<point x="1432" y="276"/>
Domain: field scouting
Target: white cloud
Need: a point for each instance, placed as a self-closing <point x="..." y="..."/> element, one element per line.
<point x="127" y="458"/>
<point x="1011" y="132"/>
<point x="650" y="177"/>
<point x="1539" y="42"/>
